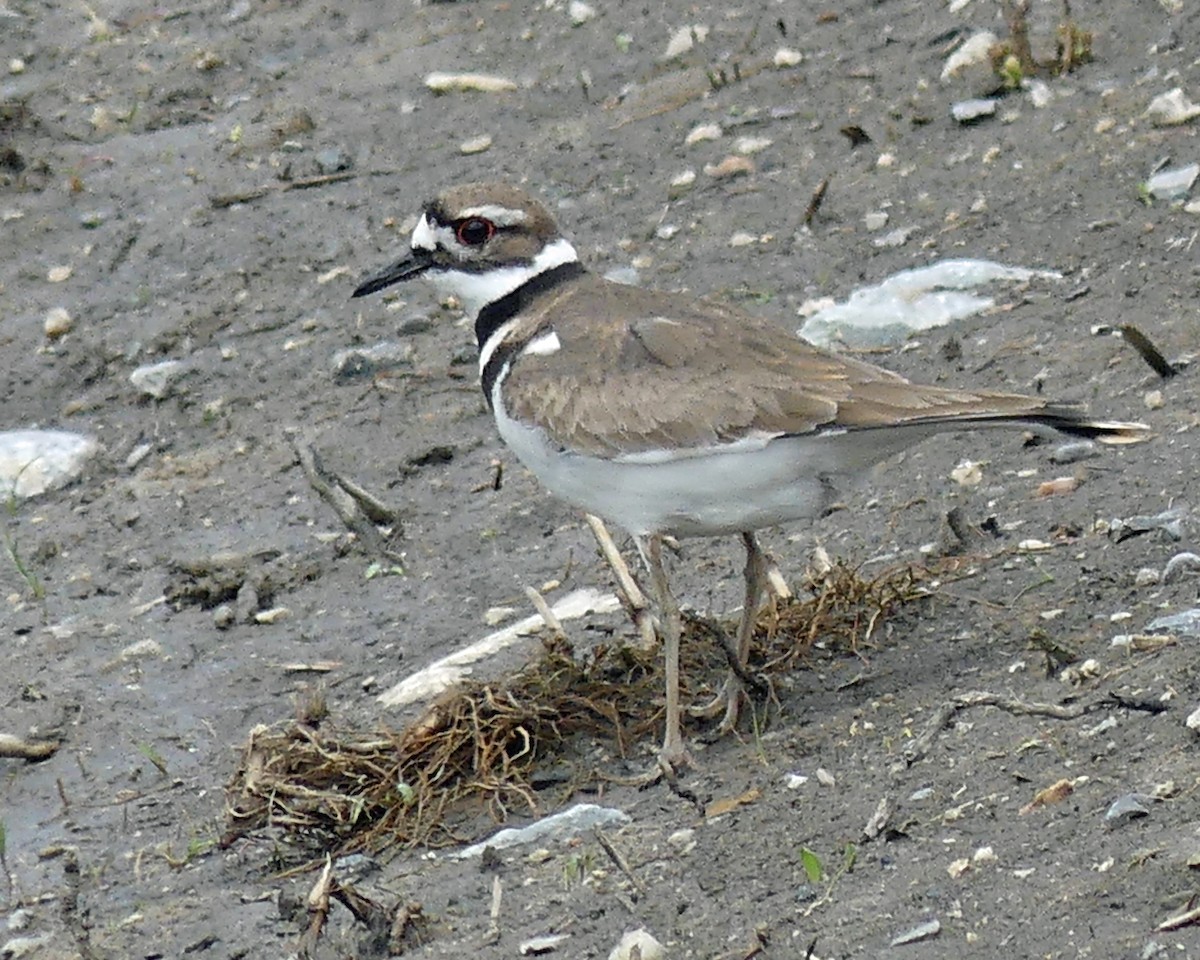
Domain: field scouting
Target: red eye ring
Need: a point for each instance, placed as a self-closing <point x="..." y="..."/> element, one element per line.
<point x="474" y="231"/>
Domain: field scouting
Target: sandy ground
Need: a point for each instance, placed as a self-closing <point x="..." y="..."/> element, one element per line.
<point x="125" y="125"/>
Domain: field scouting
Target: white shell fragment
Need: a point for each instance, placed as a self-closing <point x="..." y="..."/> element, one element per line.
<point x="581" y="818"/>
<point x="785" y="57"/>
<point x="34" y="461"/>
<point x="977" y="50"/>
<point x="912" y="300"/>
<point x="475" y="145"/>
<point x="461" y="82"/>
<point x="1172" y="108"/>
<point x="683" y="39"/>
<point x="156" y="379"/>
<point x="637" y="943"/>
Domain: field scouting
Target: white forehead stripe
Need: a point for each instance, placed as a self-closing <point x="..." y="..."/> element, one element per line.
<point x="428" y="235"/>
<point x="544" y="345"/>
<point x="500" y="216"/>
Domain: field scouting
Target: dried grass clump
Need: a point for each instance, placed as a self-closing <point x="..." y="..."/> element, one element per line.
<point x="346" y="790"/>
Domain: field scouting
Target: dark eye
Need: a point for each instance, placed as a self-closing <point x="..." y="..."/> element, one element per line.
<point x="474" y="232"/>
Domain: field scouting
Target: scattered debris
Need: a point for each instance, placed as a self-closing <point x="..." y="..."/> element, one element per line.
<point x="637" y="945"/>
<point x="1171" y="185"/>
<point x="815" y="201"/>
<point x="1147" y="350"/>
<point x="20" y="748"/>
<point x="930" y="928"/>
<point x="1183" y="624"/>
<point x="1180" y="565"/>
<point x="733" y="165"/>
<point x="156" y="380"/>
<point x="1172" y="108"/>
<point x="57" y="323"/>
<point x="480" y="144"/>
<point x="573" y="821"/>
<point x="1170" y="522"/>
<point x="1055" y="793"/>
<point x="972" y="111"/>
<point x="1131" y="806"/>
<point x="466" y="82"/>
<point x="912" y="301"/>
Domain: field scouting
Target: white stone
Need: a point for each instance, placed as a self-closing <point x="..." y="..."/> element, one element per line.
<point x="751" y="145"/>
<point x="977" y="50"/>
<point x="156" y="379"/>
<point x="785" y="57"/>
<point x="1172" y="108"/>
<point x="705" y="131"/>
<point x="637" y="943"/>
<point x="34" y="461"/>
<point x="475" y="145"/>
<point x="58" y="323"/>
<point x="683" y="39"/>
<point x="580" y="13"/>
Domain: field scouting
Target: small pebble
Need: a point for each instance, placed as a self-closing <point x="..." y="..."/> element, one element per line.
<point x="638" y="944"/>
<point x="475" y="145"/>
<point x="969" y="111"/>
<point x="894" y="238"/>
<point x="16" y="65"/>
<point x="1145" y="577"/>
<point x="1154" y="400"/>
<point x="1074" y="451"/>
<point x="58" y="274"/>
<point x="1193" y="721"/>
<point x="1170" y="185"/>
<point x="684" y="841"/>
<point x="786" y="57"/>
<point x="731" y="166"/>
<point x="742" y="239"/>
<point x="681" y="184"/>
<point x="580" y="13"/>
<point x="931" y="928"/>
<point x="273" y="615"/>
<point x="1172" y="108"/>
<point x="1126" y="808"/>
<point x="705" y="131"/>
<point x="968" y="473"/>
<point x="463" y="82"/>
<point x="747" y="146"/>
<point x="876" y="220"/>
<point x="683" y="39"/>
<point x="975" y="51"/>
<point x="156" y="379"/>
<point x="58" y="323"/>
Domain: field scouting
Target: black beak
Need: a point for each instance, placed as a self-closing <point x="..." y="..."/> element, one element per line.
<point x="416" y="263"/>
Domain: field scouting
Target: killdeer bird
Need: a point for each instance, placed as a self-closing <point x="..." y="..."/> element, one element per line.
<point x="667" y="415"/>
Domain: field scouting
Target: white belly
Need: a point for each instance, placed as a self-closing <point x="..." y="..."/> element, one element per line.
<point x="710" y="493"/>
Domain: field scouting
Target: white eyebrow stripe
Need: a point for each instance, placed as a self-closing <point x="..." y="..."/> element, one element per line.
<point x="500" y="216"/>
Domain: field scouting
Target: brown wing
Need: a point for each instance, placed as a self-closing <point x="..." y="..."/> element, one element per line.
<point x="683" y="374"/>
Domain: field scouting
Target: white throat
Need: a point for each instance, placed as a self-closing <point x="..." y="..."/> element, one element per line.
<point x="477" y="290"/>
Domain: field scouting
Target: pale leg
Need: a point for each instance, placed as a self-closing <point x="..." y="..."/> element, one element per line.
<point x="673" y="752"/>
<point x="730" y="697"/>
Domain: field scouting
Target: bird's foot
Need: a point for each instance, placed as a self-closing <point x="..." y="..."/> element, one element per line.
<point x="727" y="704"/>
